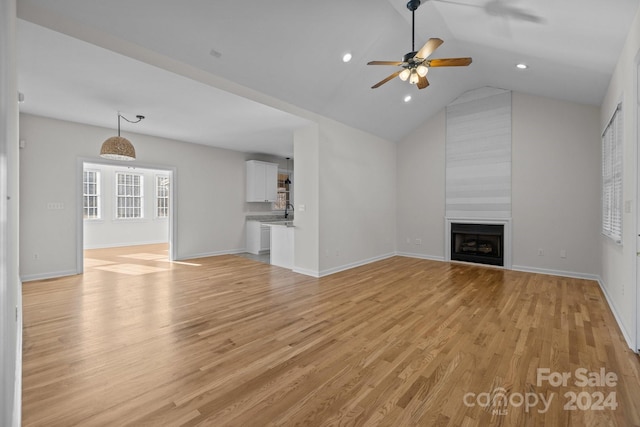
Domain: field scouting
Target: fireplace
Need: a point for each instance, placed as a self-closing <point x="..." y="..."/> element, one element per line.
<point x="479" y="243"/>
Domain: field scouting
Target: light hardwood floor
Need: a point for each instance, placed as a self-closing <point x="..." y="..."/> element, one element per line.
<point x="227" y="341"/>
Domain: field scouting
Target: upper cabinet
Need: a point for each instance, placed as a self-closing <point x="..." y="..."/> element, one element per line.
<point x="262" y="181"/>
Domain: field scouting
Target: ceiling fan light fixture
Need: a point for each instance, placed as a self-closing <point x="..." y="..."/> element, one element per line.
<point x="422" y="70"/>
<point x="404" y="74"/>
<point x="414" y="78"/>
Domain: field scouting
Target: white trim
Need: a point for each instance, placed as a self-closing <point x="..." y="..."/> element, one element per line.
<point x="492" y="221"/>
<point x="421" y="256"/>
<point x="173" y="206"/>
<point x="614" y="310"/>
<point x="48" y="275"/>
<point x="17" y="396"/>
<point x="560" y="273"/>
<point x="210" y="254"/>
<point x="307" y="272"/>
<point x="122" y="245"/>
<point x="351" y="265"/>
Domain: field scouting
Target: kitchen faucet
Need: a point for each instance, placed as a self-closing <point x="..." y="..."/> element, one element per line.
<point x="286" y="210"/>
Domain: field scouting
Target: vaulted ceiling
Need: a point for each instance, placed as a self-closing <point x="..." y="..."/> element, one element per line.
<point x="242" y="74"/>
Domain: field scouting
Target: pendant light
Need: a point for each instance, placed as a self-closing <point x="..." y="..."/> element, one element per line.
<point x="288" y="181"/>
<point x="118" y="147"/>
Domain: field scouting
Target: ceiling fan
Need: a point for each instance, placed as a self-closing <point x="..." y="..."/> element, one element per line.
<point x="415" y="64"/>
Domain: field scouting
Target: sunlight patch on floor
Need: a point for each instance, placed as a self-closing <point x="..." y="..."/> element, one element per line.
<point x="93" y="262"/>
<point x="146" y="256"/>
<point x="131" y="269"/>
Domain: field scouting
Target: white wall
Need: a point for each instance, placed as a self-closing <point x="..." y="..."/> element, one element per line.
<point x="110" y="232"/>
<point x="345" y="180"/>
<point x="357" y="184"/>
<point x="208" y="185"/>
<point x="306" y="195"/>
<point x="421" y="190"/>
<point x="555" y="187"/>
<point x="619" y="261"/>
<point x="10" y="286"/>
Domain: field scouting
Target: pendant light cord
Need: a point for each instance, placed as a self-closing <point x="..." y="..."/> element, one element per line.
<point x="139" y="117"/>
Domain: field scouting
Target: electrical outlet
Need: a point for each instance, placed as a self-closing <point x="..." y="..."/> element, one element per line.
<point x="418" y="241"/>
<point x="36" y="257"/>
<point x="408" y="240"/>
<point x="540" y="252"/>
<point x="563" y="253"/>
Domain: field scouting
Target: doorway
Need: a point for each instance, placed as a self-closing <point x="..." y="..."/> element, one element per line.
<point x="124" y="206"/>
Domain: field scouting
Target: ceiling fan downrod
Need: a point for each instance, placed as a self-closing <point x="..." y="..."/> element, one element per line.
<point x="412" y="6"/>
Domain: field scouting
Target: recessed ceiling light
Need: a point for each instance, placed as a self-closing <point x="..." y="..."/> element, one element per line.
<point x="522" y="66"/>
<point x="407" y="98"/>
<point x="346" y="57"/>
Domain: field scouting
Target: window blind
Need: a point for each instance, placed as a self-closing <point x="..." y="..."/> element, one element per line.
<point x="612" y="177"/>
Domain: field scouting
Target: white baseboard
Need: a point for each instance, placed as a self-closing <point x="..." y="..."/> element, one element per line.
<point x="306" y="272"/>
<point x="49" y="275"/>
<point x="122" y="245"/>
<point x="209" y="254"/>
<point x="551" y="272"/>
<point x="612" y="306"/>
<point x="420" y="256"/>
<point x="351" y="265"/>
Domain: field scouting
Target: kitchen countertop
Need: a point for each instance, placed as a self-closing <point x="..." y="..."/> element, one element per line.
<point x="288" y="223"/>
<point x="270" y="218"/>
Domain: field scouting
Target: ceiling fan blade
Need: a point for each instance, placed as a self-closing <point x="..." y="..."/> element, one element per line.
<point x="449" y="62"/>
<point x="380" y="83"/>
<point x="384" y="63"/>
<point x="423" y="82"/>
<point x="429" y="47"/>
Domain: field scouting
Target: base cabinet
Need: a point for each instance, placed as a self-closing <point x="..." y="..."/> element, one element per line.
<point x="258" y="238"/>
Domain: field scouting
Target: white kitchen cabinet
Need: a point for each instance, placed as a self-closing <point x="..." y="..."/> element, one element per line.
<point x="262" y="181"/>
<point x="258" y="238"/>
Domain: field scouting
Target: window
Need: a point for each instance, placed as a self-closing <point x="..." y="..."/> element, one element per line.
<point x="162" y="196"/>
<point x="128" y="195"/>
<point x="91" y="194"/>
<point x="283" y="197"/>
<point x="612" y="178"/>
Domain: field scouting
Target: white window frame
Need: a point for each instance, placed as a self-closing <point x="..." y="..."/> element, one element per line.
<point x="97" y="195"/>
<point x="158" y="197"/>
<point x="612" y="162"/>
<point x="132" y="197"/>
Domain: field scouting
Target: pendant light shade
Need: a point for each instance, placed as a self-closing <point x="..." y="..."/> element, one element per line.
<point x="118" y="147"/>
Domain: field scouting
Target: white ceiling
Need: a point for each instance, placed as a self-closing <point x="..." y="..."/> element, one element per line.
<point x="287" y="54"/>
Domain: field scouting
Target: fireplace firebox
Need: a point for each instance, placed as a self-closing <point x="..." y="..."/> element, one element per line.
<point x="479" y="243"/>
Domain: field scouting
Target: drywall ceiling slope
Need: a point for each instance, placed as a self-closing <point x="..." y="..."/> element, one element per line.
<point x="291" y="50"/>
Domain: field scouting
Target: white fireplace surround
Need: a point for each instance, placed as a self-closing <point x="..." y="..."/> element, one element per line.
<point x="506" y="222"/>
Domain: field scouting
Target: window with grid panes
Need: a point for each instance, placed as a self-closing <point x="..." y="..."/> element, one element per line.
<point x="91" y="194"/>
<point x="283" y="196"/>
<point x="162" y="196"/>
<point x="129" y="195"/>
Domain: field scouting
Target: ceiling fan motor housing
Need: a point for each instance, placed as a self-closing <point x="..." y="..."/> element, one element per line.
<point x="413" y="4"/>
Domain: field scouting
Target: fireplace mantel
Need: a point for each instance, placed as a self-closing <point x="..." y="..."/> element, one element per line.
<point x="506" y="222"/>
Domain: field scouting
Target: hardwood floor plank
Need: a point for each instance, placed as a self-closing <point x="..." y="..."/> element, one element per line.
<point x="227" y="341"/>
